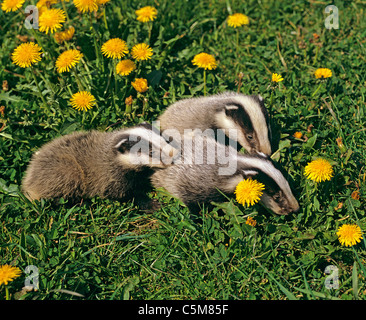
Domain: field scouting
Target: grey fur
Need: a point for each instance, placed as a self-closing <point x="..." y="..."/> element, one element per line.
<point x="225" y="111"/>
<point x="197" y="184"/>
<point x="86" y="164"/>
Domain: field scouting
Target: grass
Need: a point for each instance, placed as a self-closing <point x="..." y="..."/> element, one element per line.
<point x="102" y="249"/>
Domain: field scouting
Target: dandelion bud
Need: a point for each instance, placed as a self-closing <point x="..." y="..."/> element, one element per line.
<point x="341" y="145"/>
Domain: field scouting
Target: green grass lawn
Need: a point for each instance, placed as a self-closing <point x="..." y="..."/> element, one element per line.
<point x="103" y="249"/>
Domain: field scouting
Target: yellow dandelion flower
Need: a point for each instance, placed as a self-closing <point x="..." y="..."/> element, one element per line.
<point x="101" y="2"/>
<point x="115" y="48"/>
<point x="319" y="170"/>
<point x="237" y="20"/>
<point x="125" y="67"/>
<point x="86" y="5"/>
<point x="82" y="100"/>
<point x="250" y="221"/>
<point x="349" y="234"/>
<point x="8" y="274"/>
<point x="323" y="73"/>
<point x="249" y="192"/>
<point x="67" y="60"/>
<point x="205" y="61"/>
<point x="11" y="5"/>
<point x="51" y="19"/>
<point x="26" y="54"/>
<point x="66" y="35"/>
<point x="146" y="14"/>
<point x="298" y="135"/>
<point x="140" y="85"/>
<point x="276" y="77"/>
<point x="41" y="10"/>
<point x="141" y="51"/>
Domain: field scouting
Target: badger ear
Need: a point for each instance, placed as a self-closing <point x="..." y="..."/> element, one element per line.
<point x="231" y="107"/>
<point x="260" y="98"/>
<point x="122" y="145"/>
<point x="249" y="173"/>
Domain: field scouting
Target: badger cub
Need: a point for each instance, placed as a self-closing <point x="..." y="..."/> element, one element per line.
<point x="230" y="112"/>
<point x="202" y="174"/>
<point x="115" y="164"/>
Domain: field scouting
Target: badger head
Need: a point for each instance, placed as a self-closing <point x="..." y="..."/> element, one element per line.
<point x="143" y="146"/>
<point x="245" y="119"/>
<point x="277" y="195"/>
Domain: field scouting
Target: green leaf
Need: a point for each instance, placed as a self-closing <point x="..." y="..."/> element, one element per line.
<point x="310" y="143"/>
<point x="69" y="127"/>
<point x="154" y="77"/>
<point x="8" y="98"/>
<point x="129" y="287"/>
<point x="11" y="190"/>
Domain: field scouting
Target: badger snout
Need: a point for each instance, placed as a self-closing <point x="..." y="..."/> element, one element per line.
<point x="291" y="209"/>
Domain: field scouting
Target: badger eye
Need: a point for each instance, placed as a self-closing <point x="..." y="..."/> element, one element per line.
<point x="249" y="136"/>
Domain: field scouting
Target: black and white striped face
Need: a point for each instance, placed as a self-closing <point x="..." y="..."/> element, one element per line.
<point x="247" y="117"/>
<point x="277" y="195"/>
<point x="143" y="146"/>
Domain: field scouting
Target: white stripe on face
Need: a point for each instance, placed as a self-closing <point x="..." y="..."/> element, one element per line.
<point x="228" y="125"/>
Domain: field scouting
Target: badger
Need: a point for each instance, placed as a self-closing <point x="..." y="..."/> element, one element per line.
<point x="114" y="165"/>
<point x="212" y="172"/>
<point x="231" y="112"/>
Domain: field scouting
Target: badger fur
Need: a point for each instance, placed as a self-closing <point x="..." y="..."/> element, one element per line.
<point x="113" y="165"/>
<point x="197" y="182"/>
<point x="230" y="112"/>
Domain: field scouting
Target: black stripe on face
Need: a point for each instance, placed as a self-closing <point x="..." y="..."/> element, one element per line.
<point x="122" y="143"/>
<point x="242" y="119"/>
<point x="272" y="188"/>
<point x="240" y="116"/>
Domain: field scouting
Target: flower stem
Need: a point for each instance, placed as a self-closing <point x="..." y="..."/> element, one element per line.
<point x="83" y="118"/>
<point x="149" y="27"/>
<point x="105" y="18"/>
<point x="39" y="90"/>
<point x="115" y="76"/>
<point x="64" y="7"/>
<point x="237" y="41"/>
<point x="97" y="49"/>
<point x="78" y="81"/>
<point x="204" y="82"/>
<point x="7" y="296"/>
<point x="317" y="89"/>
<point x="128" y="109"/>
<point x="271" y="106"/>
<point x="115" y="85"/>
